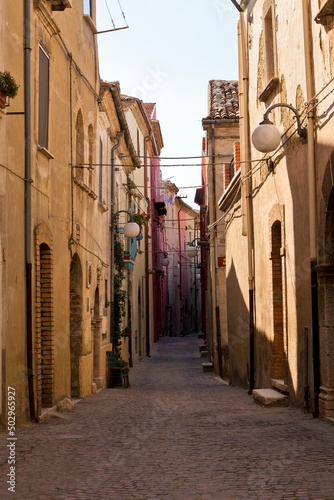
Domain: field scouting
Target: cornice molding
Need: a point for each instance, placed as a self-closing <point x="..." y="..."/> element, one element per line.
<point x="45" y="16"/>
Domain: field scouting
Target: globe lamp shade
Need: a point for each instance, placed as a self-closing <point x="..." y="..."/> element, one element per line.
<point x="165" y="261"/>
<point x="192" y="251"/>
<point x="131" y="230"/>
<point x="198" y="276"/>
<point x="266" y="137"/>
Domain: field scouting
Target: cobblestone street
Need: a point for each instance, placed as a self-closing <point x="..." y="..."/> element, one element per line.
<point x="177" y="433"/>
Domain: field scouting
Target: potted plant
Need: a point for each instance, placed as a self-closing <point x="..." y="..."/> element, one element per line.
<point x="126" y="255"/>
<point x="140" y="218"/>
<point x="120" y="363"/>
<point x="8" y="87"/>
<point x="107" y="303"/>
<point x="127" y="331"/>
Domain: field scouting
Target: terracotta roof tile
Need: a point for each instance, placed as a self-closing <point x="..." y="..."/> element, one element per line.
<point x="223" y="99"/>
<point x="149" y="107"/>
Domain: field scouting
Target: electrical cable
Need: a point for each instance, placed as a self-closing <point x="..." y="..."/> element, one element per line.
<point x="110" y="14"/>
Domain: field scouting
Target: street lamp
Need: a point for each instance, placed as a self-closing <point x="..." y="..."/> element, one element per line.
<point x="192" y="250"/>
<point x="266" y="137"/>
<point x="131" y="229"/>
<point x="165" y="259"/>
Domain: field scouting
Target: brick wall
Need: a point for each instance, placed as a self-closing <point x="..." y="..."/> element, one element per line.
<point x="44" y="326"/>
<point x="278" y="291"/>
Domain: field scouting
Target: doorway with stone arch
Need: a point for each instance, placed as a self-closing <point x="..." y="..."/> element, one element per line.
<point x="140" y="329"/>
<point x="96" y="340"/>
<point x="325" y="271"/>
<point x="75" y="323"/>
<point x="279" y="365"/>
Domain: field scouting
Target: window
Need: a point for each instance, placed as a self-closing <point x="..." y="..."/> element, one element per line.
<point x="43" y="99"/>
<point x="100" y="172"/>
<point x="90" y="155"/>
<point x="80" y="145"/>
<point x="87" y="8"/>
<point x="269" y="45"/>
<point x="269" y="60"/>
<point x="138" y="143"/>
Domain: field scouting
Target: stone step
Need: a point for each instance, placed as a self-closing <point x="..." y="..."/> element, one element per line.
<point x="270" y="397"/>
<point x="204" y="354"/>
<point x="200" y="335"/>
<point x="202" y="348"/>
<point x="207" y="367"/>
<point x="279" y="385"/>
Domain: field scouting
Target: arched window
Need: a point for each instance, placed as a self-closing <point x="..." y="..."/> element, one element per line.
<point x="80" y="146"/>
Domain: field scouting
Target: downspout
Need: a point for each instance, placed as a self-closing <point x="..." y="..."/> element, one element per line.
<point x="249" y="199"/>
<point x="180" y="261"/>
<point x="119" y="136"/>
<point x="28" y="224"/>
<point x="242" y="132"/>
<point x="215" y="308"/>
<point x="147" y="276"/>
<point x="312" y="205"/>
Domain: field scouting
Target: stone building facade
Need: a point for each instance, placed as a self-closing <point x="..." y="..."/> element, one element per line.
<point x="285" y="57"/>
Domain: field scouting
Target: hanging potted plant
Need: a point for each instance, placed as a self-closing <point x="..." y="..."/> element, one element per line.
<point x="8" y="87"/>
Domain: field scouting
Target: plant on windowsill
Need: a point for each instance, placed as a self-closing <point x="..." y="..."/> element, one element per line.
<point x="107" y="303"/>
<point x="8" y="87"/>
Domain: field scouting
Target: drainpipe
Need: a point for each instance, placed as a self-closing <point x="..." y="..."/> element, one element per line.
<point x="249" y="198"/>
<point x="147" y="276"/>
<point x="312" y="205"/>
<point x="180" y="261"/>
<point x="215" y="308"/>
<point x="28" y="181"/>
<point x="119" y="136"/>
<point x="242" y="132"/>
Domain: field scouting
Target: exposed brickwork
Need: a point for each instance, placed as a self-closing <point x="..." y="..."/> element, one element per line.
<point x="227" y="175"/>
<point x="44" y="321"/>
<point x="236" y="154"/>
<point x="277" y="256"/>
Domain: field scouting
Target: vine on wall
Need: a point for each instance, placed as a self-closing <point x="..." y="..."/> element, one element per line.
<point x="119" y="297"/>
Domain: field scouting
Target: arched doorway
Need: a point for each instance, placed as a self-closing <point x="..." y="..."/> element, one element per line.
<point x="278" y="357"/>
<point x="325" y="271"/>
<point x="140" y="333"/>
<point x="75" y="323"/>
<point x="96" y="340"/>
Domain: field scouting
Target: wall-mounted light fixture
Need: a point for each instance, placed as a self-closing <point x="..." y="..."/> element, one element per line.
<point x="266" y="137"/>
<point x="131" y="229"/>
<point x="192" y="249"/>
<point x="165" y="259"/>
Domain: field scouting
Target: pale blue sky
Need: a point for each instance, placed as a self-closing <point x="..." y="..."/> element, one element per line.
<point x="167" y="56"/>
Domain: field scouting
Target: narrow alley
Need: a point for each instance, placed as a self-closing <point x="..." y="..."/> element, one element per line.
<point x="176" y="433"/>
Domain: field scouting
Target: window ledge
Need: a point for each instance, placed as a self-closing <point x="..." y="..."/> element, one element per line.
<point x="103" y="207"/>
<point x="85" y="188"/>
<point x="91" y="23"/>
<point x="269" y="89"/>
<point x="45" y="152"/>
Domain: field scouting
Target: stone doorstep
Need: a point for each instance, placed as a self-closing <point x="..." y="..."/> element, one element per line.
<point x="202" y="348"/>
<point x="207" y="367"/>
<point x="270" y="397"/>
<point x="279" y="385"/>
<point x="204" y="354"/>
<point x="200" y="336"/>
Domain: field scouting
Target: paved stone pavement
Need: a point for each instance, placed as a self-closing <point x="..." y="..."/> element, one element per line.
<point x="177" y="433"/>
